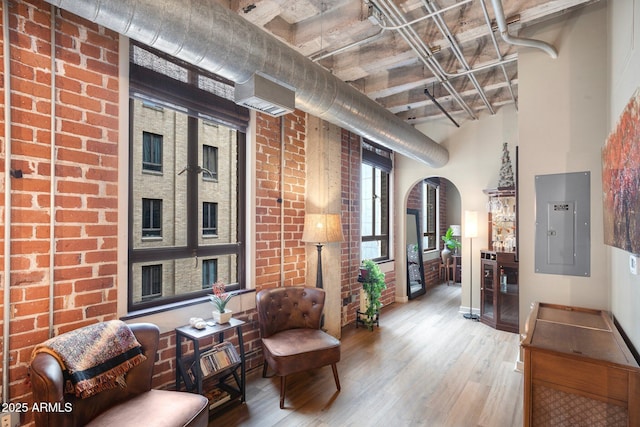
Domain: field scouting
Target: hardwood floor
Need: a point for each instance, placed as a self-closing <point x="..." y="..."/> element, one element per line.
<point x="425" y="366"/>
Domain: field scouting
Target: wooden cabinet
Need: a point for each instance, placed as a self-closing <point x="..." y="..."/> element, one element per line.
<point x="578" y="370"/>
<point x="499" y="291"/>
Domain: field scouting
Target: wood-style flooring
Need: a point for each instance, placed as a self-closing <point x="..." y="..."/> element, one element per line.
<point x="424" y="366"/>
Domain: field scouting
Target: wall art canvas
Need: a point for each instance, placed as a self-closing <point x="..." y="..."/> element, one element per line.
<point x="621" y="180"/>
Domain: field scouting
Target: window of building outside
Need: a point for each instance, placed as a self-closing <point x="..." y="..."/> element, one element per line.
<point x="210" y="162"/>
<point x="375" y="169"/>
<point x="151" y="152"/>
<point x="209" y="219"/>
<point x="209" y="272"/>
<point x="151" y="281"/>
<point x="187" y="167"/>
<point x="429" y="217"/>
<point x="151" y="218"/>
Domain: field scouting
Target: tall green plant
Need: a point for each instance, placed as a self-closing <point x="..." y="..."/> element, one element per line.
<point x="373" y="285"/>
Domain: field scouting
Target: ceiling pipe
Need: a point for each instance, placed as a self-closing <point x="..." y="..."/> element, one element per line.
<point x="6" y="291"/>
<point x="518" y="41"/>
<point x="423" y="52"/>
<point x="500" y="57"/>
<point x="208" y="35"/>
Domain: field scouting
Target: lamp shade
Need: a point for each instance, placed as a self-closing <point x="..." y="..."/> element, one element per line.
<point x="456" y="230"/>
<point x="322" y="228"/>
<point x="471" y="223"/>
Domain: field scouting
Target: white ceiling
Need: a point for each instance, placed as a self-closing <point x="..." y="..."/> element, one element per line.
<point x="458" y="55"/>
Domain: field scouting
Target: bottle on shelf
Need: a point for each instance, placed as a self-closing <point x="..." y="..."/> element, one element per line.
<point x="503" y="281"/>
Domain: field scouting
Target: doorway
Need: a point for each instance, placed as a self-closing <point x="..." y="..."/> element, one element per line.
<point x="436" y="204"/>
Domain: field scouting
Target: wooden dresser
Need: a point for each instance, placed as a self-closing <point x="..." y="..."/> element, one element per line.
<point x="578" y="371"/>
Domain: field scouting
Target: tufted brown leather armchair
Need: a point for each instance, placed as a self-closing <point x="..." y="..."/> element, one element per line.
<point x="135" y="405"/>
<point x="292" y="340"/>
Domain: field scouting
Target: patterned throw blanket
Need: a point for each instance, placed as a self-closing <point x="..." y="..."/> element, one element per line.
<point x="94" y="358"/>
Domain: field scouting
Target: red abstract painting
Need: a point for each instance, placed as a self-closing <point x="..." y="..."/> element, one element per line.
<point x="621" y="180"/>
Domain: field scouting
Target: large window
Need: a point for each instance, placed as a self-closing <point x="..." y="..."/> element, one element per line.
<point x="376" y="166"/>
<point x="430" y="217"/>
<point x="176" y="112"/>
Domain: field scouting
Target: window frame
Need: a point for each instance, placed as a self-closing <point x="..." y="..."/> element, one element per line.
<point x="380" y="160"/>
<point x="148" y="85"/>
<point x="430" y="215"/>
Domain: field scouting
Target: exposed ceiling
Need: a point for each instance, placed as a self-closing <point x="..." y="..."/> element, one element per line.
<point x="456" y="54"/>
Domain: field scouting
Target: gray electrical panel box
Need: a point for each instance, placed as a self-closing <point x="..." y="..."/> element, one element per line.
<point x="563" y="224"/>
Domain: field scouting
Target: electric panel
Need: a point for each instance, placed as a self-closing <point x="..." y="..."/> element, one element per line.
<point x="563" y="224"/>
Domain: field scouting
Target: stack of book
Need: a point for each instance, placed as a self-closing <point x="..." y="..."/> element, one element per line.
<point x="219" y="357"/>
<point x="216" y="397"/>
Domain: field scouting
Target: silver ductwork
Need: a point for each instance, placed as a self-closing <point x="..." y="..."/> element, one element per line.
<point x="208" y="35"/>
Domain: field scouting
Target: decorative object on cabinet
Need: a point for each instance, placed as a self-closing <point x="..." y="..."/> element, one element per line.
<point x="502" y="220"/>
<point x="471" y="231"/>
<point x="321" y="229"/>
<point x="212" y="371"/>
<point x="578" y="368"/>
<point x="506" y="171"/>
<point x="372" y="286"/>
<point x="499" y="293"/>
<point x="620" y="176"/>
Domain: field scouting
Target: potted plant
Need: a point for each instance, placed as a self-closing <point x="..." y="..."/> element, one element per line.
<point x="450" y="244"/>
<point x="219" y="298"/>
<point x="372" y="285"/>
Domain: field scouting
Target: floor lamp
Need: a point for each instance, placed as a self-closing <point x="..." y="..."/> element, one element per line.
<point x="471" y="231"/>
<point x="321" y="229"/>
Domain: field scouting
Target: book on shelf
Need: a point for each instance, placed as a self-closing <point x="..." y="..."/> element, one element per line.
<point x="218" y="357"/>
<point x="217" y="397"/>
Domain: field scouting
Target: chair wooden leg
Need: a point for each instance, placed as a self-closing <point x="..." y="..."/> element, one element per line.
<point x="264" y="369"/>
<point x="335" y="375"/>
<point x="283" y="385"/>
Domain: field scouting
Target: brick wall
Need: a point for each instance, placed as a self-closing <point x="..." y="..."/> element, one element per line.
<point x="86" y="191"/>
<point x="85" y="183"/>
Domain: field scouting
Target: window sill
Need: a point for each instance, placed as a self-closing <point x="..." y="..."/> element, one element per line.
<point x="170" y="316"/>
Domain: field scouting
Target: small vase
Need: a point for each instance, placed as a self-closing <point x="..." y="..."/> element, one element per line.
<point x="222" y="317"/>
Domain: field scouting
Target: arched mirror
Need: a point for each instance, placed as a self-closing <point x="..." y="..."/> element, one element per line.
<point x="415" y="267"/>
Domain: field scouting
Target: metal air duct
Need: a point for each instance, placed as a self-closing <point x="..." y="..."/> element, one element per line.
<point x="208" y="35"/>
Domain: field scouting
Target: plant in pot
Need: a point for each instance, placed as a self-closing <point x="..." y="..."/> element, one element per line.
<point x="450" y="244"/>
<point x="219" y="298"/>
<point x="372" y="285"/>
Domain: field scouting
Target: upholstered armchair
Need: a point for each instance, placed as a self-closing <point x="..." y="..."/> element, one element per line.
<point x="134" y="405"/>
<point x="292" y="340"/>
